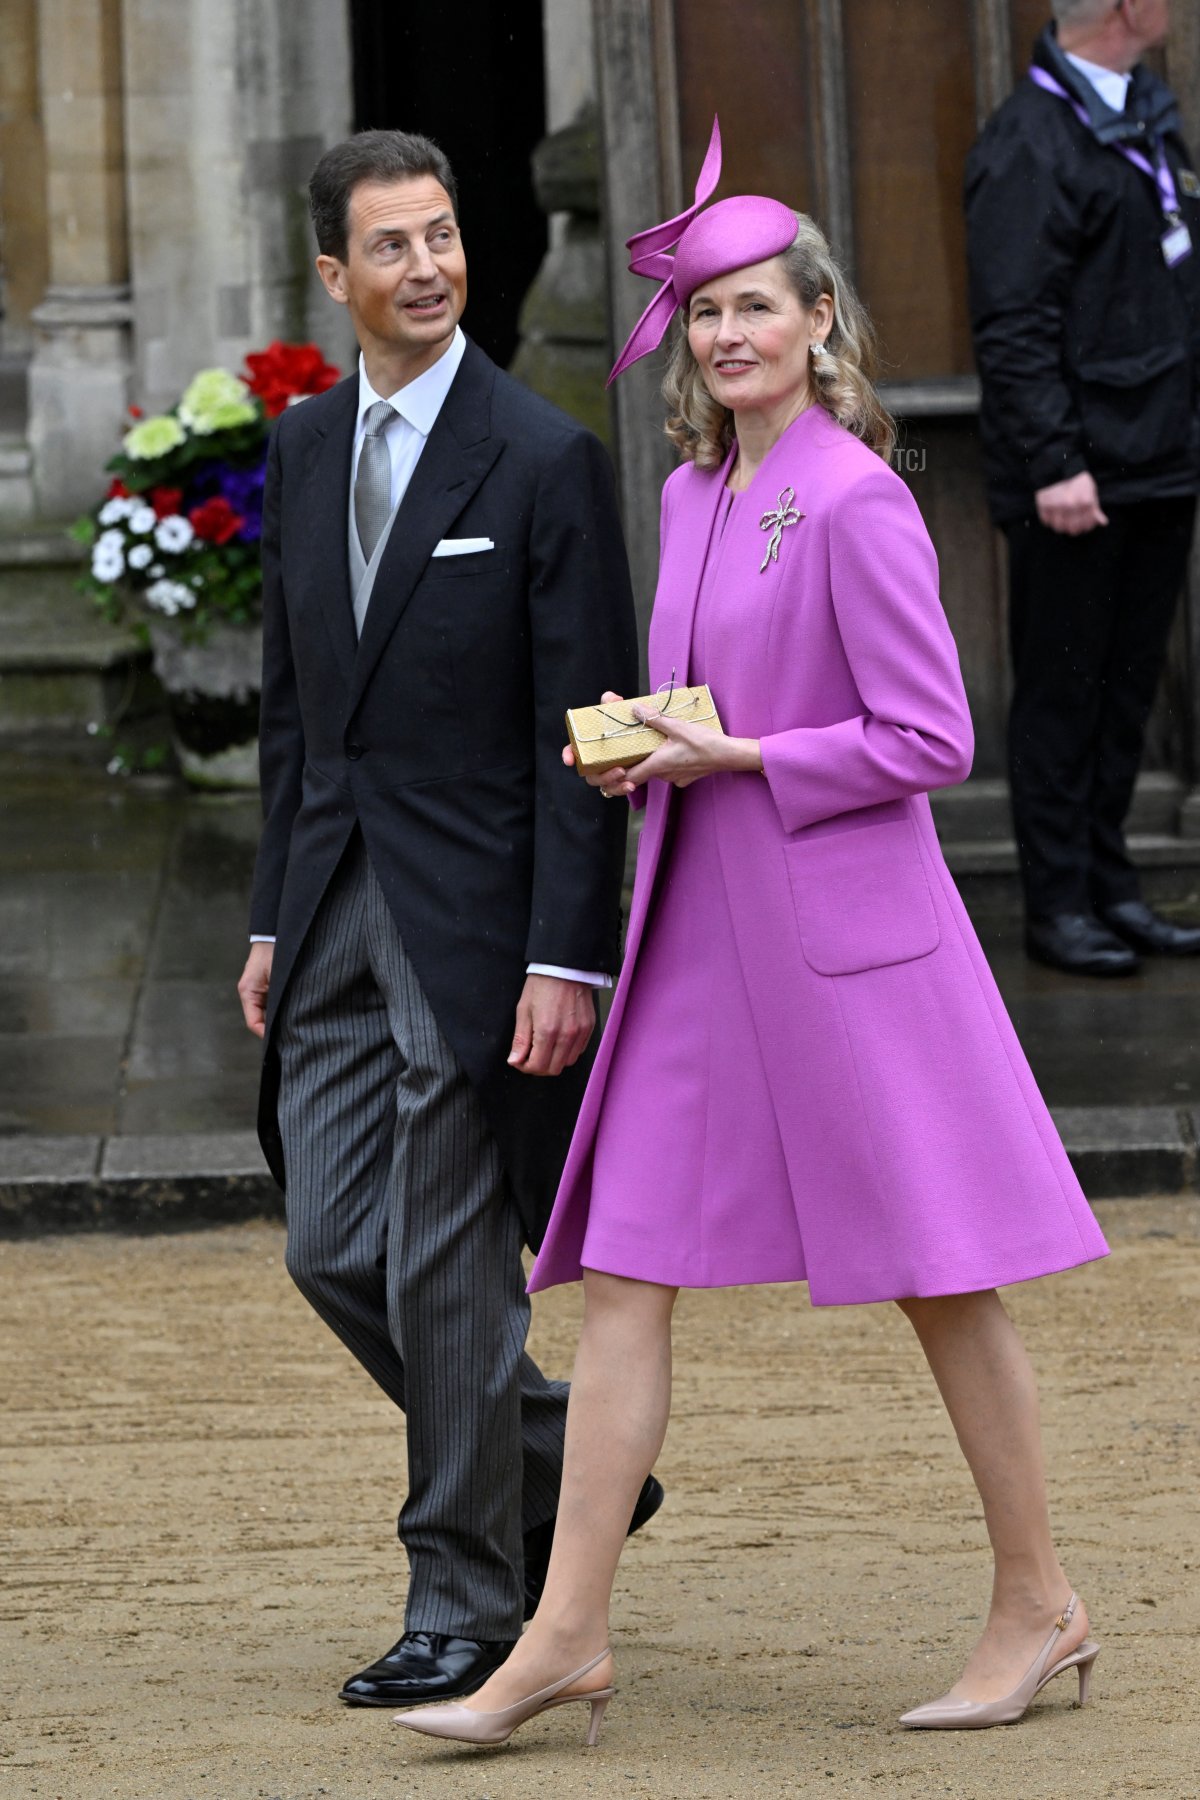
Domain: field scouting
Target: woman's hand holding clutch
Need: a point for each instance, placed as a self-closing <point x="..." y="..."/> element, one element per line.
<point x="691" y="751"/>
<point x="687" y="753"/>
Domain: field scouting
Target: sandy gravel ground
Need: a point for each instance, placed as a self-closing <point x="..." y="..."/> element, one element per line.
<point x="198" y="1488"/>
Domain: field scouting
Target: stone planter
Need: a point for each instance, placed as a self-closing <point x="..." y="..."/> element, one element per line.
<point x="212" y="695"/>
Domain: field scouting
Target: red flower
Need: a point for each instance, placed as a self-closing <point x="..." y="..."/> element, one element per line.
<point x="117" y="490"/>
<point x="283" y="371"/>
<point x="136" y="412"/>
<point x="165" y="501"/>
<point x="215" y="521"/>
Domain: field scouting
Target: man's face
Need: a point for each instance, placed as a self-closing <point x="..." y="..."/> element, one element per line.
<point x="1148" y="20"/>
<point x="405" y="275"/>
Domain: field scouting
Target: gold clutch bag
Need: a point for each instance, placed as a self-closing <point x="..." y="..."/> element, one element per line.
<point x="609" y="737"/>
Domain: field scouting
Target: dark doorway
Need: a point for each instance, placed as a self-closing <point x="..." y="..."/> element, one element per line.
<point x="471" y="75"/>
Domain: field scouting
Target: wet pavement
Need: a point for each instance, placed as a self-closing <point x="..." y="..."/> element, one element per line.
<point x="1128" y="1042"/>
<point x="123" y="930"/>
<point x="122" y="934"/>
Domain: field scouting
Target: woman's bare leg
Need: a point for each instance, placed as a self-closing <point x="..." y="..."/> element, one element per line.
<point x="987" y="1382"/>
<point x="616" y="1422"/>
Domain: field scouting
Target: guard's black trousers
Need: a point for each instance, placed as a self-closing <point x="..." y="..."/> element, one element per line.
<point x="1089" y="620"/>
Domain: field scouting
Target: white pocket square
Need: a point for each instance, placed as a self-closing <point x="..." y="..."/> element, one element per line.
<point x="462" y="546"/>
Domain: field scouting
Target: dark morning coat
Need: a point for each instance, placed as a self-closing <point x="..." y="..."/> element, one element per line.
<point x="439" y="734"/>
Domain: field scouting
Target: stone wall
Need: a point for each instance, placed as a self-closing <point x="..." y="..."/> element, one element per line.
<point x="229" y="105"/>
<point x="154" y="156"/>
<point x="23" y="260"/>
<point x="79" y="378"/>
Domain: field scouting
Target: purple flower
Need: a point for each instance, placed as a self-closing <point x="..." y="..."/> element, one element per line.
<point x="241" y="486"/>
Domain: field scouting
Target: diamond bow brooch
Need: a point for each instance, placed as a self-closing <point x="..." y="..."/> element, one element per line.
<point x="775" y="521"/>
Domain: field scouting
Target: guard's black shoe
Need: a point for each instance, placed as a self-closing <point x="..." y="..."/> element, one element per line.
<point x="1078" y="944"/>
<point x="539" y="1540"/>
<point x="426" y="1665"/>
<point x="1148" y="931"/>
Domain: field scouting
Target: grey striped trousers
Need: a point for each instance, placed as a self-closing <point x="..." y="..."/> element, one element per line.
<point x="404" y="1237"/>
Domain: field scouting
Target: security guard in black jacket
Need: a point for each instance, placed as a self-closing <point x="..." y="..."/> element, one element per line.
<point x="1083" y="236"/>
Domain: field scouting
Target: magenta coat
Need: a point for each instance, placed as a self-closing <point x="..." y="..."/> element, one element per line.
<point x="917" y="1154"/>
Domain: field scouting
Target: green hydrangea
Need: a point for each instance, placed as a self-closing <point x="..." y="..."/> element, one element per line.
<point x="215" y="400"/>
<point x="151" y="438"/>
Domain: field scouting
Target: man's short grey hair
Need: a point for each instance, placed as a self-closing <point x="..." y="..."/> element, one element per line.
<point x="1080" y="12"/>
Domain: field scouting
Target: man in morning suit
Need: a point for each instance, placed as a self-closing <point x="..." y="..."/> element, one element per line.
<point x="436" y="897"/>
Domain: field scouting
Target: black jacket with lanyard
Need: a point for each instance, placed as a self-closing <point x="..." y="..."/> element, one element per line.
<point x="1083" y="244"/>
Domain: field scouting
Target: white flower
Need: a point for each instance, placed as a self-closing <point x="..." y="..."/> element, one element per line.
<point x="170" y="597"/>
<point x="173" y="534"/>
<point x="157" y="569"/>
<point x="114" y="510"/>
<point x="142" y="519"/>
<point x="140" y="556"/>
<point x="111" y="540"/>
<point x="107" y="564"/>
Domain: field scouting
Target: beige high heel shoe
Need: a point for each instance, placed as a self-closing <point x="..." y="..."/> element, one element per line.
<point x="467" y="1727"/>
<point x="975" y="1715"/>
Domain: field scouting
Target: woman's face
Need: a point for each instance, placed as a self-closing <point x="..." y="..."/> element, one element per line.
<point x="751" y="336"/>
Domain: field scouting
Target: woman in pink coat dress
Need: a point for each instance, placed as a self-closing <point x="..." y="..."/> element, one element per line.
<point x="808" y="1074"/>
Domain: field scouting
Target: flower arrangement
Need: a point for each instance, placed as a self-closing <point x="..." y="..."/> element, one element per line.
<point x="176" y="536"/>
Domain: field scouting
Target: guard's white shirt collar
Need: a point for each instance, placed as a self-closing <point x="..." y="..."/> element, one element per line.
<point x="1110" y="84"/>
<point x="421" y="400"/>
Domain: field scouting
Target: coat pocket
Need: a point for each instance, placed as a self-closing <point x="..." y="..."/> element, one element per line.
<point x="1137" y="408"/>
<point x="472" y="562"/>
<point x="862" y="898"/>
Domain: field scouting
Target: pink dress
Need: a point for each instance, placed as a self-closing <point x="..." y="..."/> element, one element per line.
<point x="808" y="1073"/>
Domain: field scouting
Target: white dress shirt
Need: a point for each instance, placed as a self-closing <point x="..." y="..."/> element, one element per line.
<point x="1110" y="84"/>
<point x="417" y="406"/>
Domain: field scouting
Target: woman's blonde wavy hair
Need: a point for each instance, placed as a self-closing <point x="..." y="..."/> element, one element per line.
<point x="843" y="379"/>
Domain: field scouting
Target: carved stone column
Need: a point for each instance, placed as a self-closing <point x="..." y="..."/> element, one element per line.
<point x="79" y="376"/>
<point x="22" y="177"/>
<point x="564" y="348"/>
<point x="229" y="105"/>
<point x="633" y="42"/>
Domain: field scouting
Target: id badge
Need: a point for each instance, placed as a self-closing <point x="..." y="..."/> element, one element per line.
<point x="1176" y="245"/>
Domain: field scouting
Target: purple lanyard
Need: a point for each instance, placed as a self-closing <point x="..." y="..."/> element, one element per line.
<point x="1159" y="172"/>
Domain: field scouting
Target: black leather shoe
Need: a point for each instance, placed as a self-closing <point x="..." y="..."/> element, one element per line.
<point x="426" y="1665"/>
<point x="1079" y="944"/>
<point x="539" y="1540"/>
<point x="1148" y="931"/>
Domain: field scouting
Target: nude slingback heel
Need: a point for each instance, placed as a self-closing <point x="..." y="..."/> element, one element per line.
<point x="975" y="1715"/>
<point x="465" y="1726"/>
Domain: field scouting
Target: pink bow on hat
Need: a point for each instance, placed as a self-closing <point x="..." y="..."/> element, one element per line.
<point x="746" y="229"/>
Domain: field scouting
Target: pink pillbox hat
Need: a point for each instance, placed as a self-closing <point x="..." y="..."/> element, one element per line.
<point x="748" y="228"/>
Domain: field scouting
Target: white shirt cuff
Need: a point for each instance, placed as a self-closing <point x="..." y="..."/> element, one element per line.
<point x="589" y="977"/>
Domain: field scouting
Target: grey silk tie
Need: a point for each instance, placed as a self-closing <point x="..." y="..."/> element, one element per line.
<point x="373" y="481"/>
